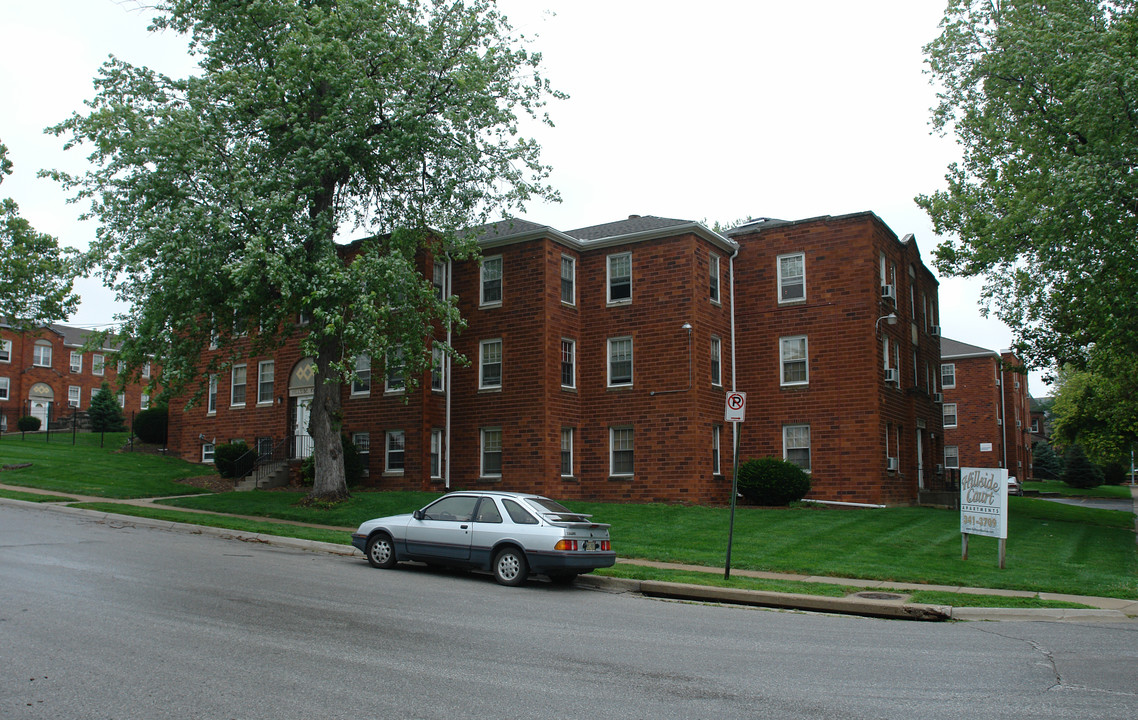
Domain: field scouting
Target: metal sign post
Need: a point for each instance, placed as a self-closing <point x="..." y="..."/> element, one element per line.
<point x="734" y="414"/>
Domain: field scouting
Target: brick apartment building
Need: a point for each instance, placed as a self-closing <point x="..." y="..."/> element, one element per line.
<point x="838" y="345"/>
<point x="46" y="374"/>
<point x="987" y="409"/>
<point x="600" y="358"/>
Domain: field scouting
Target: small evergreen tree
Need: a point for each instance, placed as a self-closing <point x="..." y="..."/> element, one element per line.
<point x="772" y="481"/>
<point x="105" y="413"/>
<point x="1046" y="464"/>
<point x="1080" y="472"/>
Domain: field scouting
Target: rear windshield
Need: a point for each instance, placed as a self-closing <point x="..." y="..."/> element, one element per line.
<point x="555" y="511"/>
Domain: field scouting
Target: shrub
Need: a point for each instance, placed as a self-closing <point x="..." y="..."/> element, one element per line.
<point x="1080" y="472"/>
<point x="353" y="464"/>
<point x="28" y="423"/>
<point x="771" y="481"/>
<point x="1115" y="473"/>
<point x="233" y="460"/>
<point x="150" y="425"/>
<point x="1046" y="463"/>
<point x="105" y="413"/>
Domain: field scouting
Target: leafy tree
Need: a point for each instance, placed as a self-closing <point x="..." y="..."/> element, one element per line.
<point x="36" y="275"/>
<point x="1046" y="463"/>
<point x="220" y="195"/>
<point x="1098" y="406"/>
<point x="1043" y="99"/>
<point x="105" y="413"/>
<point x="1079" y="471"/>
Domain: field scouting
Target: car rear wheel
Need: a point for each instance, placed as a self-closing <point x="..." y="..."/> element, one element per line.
<point x="380" y="551"/>
<point x="510" y="567"/>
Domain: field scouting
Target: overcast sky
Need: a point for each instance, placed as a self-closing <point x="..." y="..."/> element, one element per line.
<point x="708" y="111"/>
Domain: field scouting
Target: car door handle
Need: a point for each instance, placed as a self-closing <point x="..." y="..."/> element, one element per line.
<point x="462" y="527"/>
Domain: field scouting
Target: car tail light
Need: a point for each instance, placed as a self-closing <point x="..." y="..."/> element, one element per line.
<point x="605" y="545"/>
<point x="565" y="545"/>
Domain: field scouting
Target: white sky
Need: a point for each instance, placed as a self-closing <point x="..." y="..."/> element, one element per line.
<point x="705" y="111"/>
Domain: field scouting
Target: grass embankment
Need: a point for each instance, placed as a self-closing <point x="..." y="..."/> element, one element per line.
<point x="1051" y="547"/>
<point x="1061" y="488"/>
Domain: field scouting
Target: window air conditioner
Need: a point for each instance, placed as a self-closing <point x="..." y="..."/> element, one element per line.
<point x="891" y="376"/>
<point x="1019" y="424"/>
<point x="934" y="330"/>
<point x="889" y="292"/>
<point x="1000" y="421"/>
<point x="891" y="464"/>
<point x="938" y="397"/>
<point x="939" y="468"/>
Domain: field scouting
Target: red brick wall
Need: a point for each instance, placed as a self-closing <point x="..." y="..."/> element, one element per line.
<point x="977" y="399"/>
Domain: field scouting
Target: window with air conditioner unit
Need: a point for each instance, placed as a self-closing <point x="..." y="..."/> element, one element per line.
<point x="938" y="397"/>
<point x="889" y="292"/>
<point x="891" y="375"/>
<point x="1000" y="421"/>
<point x="891" y="464"/>
<point x="934" y="330"/>
<point x="939" y="468"/>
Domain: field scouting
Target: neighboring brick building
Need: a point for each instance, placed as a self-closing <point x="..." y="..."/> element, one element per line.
<point x="600" y="358"/>
<point x="987" y="411"/>
<point x="831" y="376"/>
<point x="45" y="373"/>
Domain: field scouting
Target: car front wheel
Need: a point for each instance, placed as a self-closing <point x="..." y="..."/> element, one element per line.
<point x="380" y="551"/>
<point x="510" y="567"/>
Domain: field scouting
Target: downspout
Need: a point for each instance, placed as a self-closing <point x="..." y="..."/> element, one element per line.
<point x="447" y="384"/>
<point x="1003" y="414"/>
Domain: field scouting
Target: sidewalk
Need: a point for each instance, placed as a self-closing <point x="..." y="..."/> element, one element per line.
<point x="878" y="599"/>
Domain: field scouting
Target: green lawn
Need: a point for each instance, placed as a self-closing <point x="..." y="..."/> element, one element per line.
<point x="1051" y="547"/>
<point x="1062" y="488"/>
<point x="88" y="469"/>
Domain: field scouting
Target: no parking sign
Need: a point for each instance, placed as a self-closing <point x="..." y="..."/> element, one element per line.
<point x="736" y="406"/>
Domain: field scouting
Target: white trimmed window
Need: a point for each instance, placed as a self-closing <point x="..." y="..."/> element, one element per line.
<point x="950" y="415"/>
<point x="491" y="444"/>
<point x="436" y="453"/>
<point x="41" y="354"/>
<point x="620" y="278"/>
<point x="621" y="457"/>
<point x="792" y="277"/>
<point x="98" y="364"/>
<point x="713" y="271"/>
<point x="265" y="370"/>
<point x="211" y="402"/>
<point x="566" y="452"/>
<point x="6" y="351"/>
<point x="237" y="387"/>
<point x="396" y="451"/>
<point x="796" y="445"/>
<point x="74" y="395"/>
<point x="122" y="400"/>
<point x="568" y="280"/>
<point x="437" y="360"/>
<point x="490" y="364"/>
<point x="5" y="388"/>
<point x="440" y="279"/>
<point x="948" y="375"/>
<point x="716" y="362"/>
<point x="568" y="363"/>
<point x="620" y="361"/>
<point x="207" y="452"/>
<point x="794" y="363"/>
<point x="146" y="369"/>
<point x="76" y="362"/>
<point x="144" y="401"/>
<point x="395" y="382"/>
<point x="951" y="456"/>
<point x="492" y="281"/>
<point x="361" y="382"/>
<point x="716" y="435"/>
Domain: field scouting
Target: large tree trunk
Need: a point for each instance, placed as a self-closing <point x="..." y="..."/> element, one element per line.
<point x="324" y="426"/>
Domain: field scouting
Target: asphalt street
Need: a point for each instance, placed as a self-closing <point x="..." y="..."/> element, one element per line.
<point x="101" y="618"/>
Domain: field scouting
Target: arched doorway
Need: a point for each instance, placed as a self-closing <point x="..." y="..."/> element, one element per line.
<point x="301" y="385"/>
<point x="40" y="399"/>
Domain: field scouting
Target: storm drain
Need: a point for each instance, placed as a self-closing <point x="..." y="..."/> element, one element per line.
<point x="880" y="596"/>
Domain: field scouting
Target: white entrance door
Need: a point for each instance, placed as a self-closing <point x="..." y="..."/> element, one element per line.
<point x="302" y="440"/>
<point x="39" y="409"/>
<point x="920" y="459"/>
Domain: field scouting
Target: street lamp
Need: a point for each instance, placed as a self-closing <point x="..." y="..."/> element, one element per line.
<point x="891" y="318"/>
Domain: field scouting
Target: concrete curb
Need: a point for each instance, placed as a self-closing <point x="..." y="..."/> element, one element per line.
<point x="894" y="608"/>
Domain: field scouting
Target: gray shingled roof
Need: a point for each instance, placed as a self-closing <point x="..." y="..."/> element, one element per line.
<point x="633" y="224"/>
<point x="955" y="349"/>
<point x="504" y="229"/>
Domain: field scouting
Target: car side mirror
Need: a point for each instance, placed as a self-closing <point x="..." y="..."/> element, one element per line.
<point x="418" y="514"/>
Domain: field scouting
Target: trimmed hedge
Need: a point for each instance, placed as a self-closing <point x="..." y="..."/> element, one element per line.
<point x="772" y="481"/>
<point x="28" y="423"/>
<point x="150" y="425"/>
<point x="233" y="460"/>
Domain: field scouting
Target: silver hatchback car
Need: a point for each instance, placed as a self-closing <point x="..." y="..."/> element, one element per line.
<point x="513" y="535"/>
